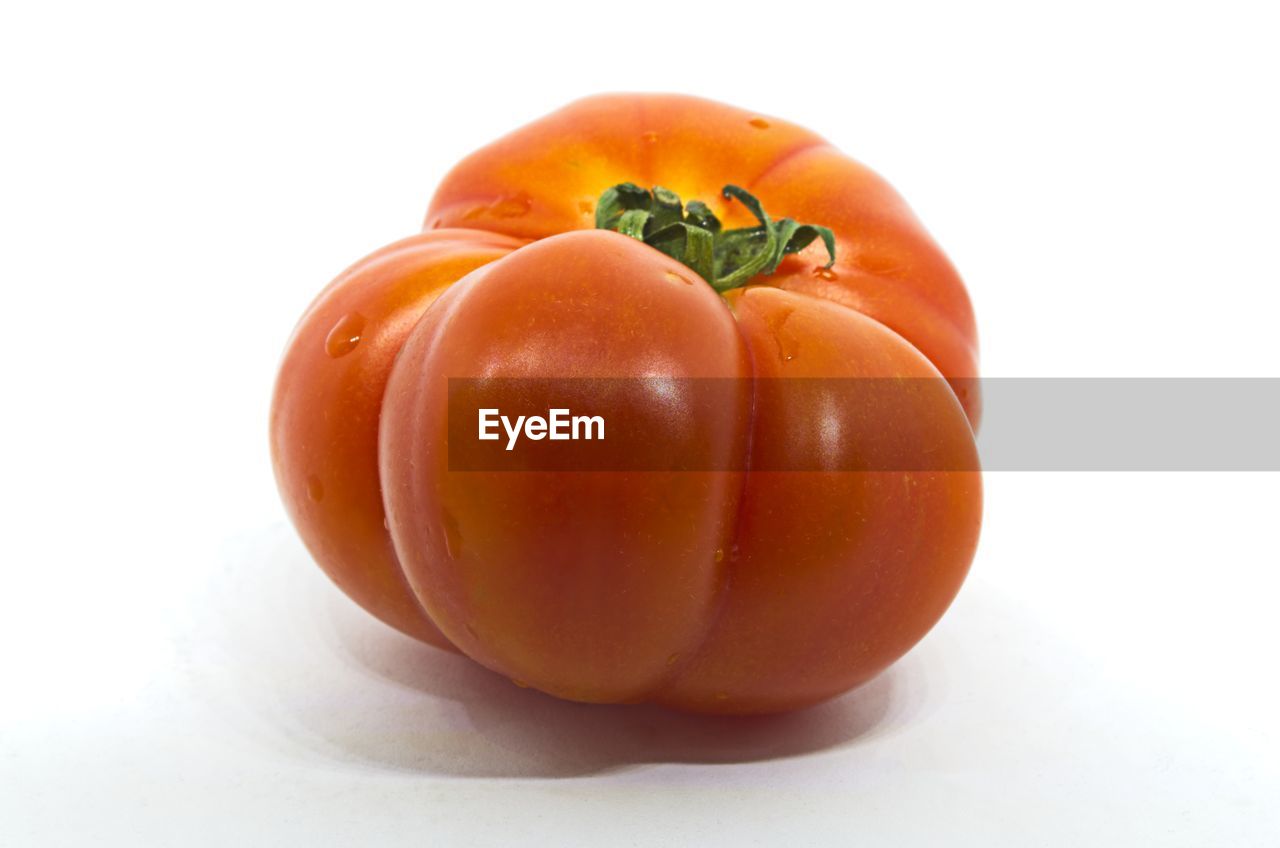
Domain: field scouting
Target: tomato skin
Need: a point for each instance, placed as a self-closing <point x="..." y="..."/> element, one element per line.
<point x="580" y="584"/>
<point x="325" y="409"/>
<point x="723" y="591"/>
<point x="835" y="574"/>
<point x="712" y="591"/>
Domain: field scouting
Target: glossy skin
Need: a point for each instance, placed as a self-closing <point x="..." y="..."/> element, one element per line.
<point x="324" y="416"/>
<point x="715" y="591"/>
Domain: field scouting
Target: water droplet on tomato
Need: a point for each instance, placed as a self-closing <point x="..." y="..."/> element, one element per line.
<point x="586" y="207"/>
<point x="315" y="489"/>
<point x="759" y="123"/>
<point x="452" y="535"/>
<point x="345" y="335"/>
<point x="673" y="277"/>
<point x="719" y="554"/>
<point x="825" y="273"/>
<point x="786" y="338"/>
<point x="512" y="206"/>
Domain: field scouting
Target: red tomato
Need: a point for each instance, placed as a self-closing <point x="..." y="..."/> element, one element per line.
<point x="739" y="587"/>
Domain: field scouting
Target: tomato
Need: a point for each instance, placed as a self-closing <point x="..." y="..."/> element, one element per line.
<point x="739" y="585"/>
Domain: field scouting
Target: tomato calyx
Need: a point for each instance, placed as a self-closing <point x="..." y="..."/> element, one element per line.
<point x="692" y="234"/>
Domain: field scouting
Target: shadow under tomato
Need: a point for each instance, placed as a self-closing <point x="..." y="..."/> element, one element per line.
<point x="527" y="733"/>
<point x="317" y="676"/>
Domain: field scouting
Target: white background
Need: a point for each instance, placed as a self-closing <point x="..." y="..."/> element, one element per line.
<point x="177" y="182"/>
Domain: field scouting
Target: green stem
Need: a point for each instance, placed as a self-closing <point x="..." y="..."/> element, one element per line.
<point x="692" y="234"/>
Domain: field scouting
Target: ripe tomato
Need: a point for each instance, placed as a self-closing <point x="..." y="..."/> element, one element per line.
<point x="736" y="587"/>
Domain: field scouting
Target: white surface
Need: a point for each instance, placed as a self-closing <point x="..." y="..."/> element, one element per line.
<point x="176" y="185"/>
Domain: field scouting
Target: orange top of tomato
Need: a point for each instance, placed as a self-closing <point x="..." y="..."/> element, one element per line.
<point x="546" y="177"/>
